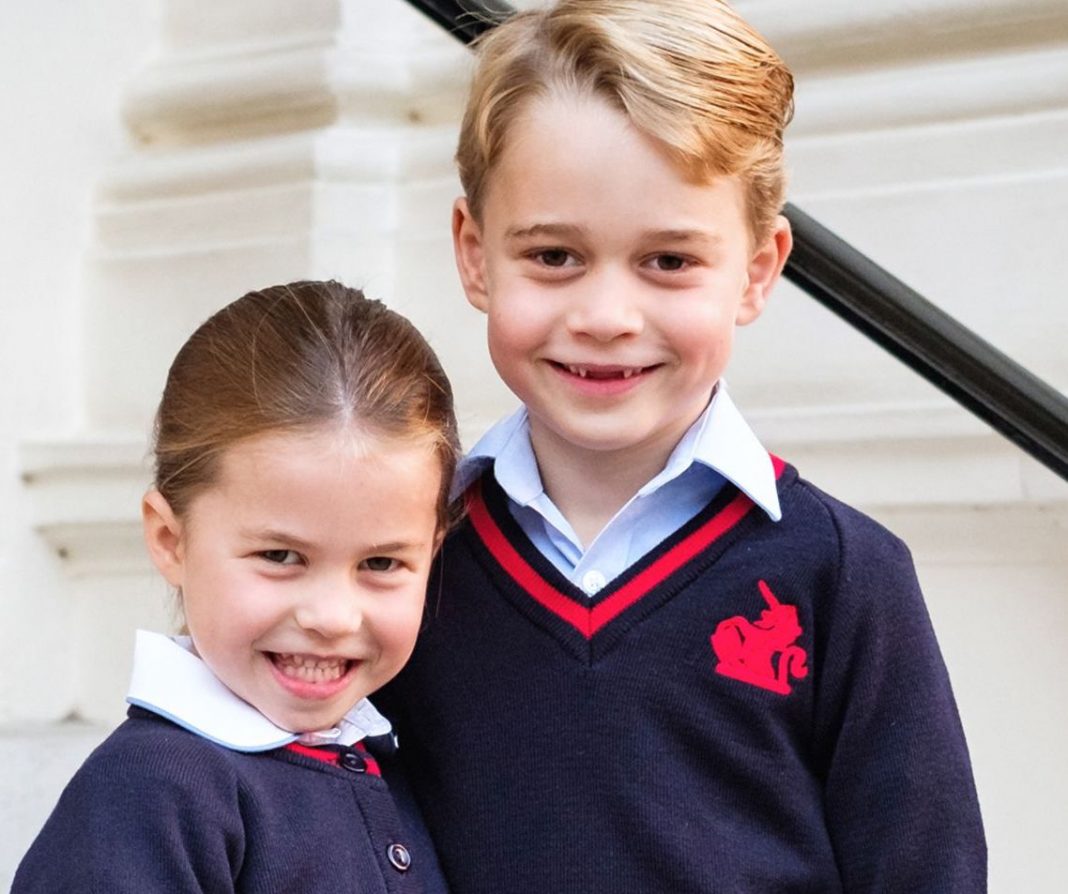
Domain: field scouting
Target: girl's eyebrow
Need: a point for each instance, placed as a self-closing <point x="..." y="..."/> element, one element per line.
<point x="397" y="546"/>
<point x="275" y="535"/>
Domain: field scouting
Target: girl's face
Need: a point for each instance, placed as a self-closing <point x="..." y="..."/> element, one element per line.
<point x="303" y="569"/>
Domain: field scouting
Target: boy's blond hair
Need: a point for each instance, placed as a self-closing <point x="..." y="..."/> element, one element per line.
<point x="690" y="73"/>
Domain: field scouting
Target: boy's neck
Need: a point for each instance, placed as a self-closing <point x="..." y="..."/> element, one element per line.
<point x="590" y="486"/>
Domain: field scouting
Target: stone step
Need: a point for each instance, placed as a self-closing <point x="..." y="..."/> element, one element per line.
<point x="35" y="765"/>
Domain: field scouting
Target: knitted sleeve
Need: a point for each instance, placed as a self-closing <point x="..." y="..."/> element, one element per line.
<point x="901" y="805"/>
<point x="140" y="816"/>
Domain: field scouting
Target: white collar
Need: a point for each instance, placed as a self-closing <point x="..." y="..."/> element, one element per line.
<point x="169" y="680"/>
<point x="720" y="439"/>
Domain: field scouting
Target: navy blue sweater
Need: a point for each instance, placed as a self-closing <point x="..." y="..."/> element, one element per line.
<point x="753" y="707"/>
<point x="158" y="809"/>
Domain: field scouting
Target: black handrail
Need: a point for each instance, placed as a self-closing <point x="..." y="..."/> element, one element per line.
<point x="465" y="19"/>
<point x="988" y="383"/>
<point x="973" y="372"/>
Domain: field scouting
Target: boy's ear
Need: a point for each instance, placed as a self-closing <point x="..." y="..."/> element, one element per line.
<point x="765" y="268"/>
<point x="163" y="536"/>
<point x="470" y="254"/>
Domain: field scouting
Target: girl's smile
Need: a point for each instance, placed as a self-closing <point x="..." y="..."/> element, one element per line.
<point x="302" y="568"/>
<point x="310" y="677"/>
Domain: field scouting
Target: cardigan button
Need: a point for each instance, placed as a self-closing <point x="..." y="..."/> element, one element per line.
<point x="399" y="857"/>
<point x="350" y="760"/>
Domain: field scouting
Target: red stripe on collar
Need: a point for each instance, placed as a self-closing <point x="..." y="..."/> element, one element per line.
<point x="585" y="620"/>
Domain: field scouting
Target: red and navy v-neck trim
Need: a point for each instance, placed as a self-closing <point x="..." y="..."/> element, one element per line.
<point x="545" y="595"/>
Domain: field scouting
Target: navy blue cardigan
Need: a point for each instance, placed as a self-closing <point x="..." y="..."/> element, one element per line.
<point x="753" y="707"/>
<point x="158" y="809"/>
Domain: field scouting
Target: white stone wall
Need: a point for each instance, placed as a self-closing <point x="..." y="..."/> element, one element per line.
<point x="162" y="158"/>
<point x="62" y="69"/>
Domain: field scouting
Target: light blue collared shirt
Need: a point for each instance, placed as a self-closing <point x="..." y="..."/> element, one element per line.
<point x="718" y="447"/>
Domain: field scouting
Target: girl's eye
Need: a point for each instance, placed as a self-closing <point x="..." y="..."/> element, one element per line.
<point x="280" y="556"/>
<point x="669" y="263"/>
<point x="380" y="563"/>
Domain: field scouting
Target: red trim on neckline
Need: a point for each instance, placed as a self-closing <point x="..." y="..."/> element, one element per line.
<point x="588" y="621"/>
<point x="319" y="754"/>
<point x="330" y="755"/>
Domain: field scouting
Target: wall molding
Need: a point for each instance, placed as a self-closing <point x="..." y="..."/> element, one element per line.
<point x="841" y="33"/>
<point x="243" y="90"/>
<point x="932" y="89"/>
<point x="84" y="496"/>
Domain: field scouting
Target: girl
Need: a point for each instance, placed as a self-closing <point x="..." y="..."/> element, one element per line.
<point x="304" y="448"/>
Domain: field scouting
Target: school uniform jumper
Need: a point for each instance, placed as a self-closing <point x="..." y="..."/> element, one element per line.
<point x="754" y="706"/>
<point x="160" y="808"/>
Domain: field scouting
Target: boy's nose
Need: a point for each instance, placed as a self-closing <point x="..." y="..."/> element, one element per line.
<point x="605" y="308"/>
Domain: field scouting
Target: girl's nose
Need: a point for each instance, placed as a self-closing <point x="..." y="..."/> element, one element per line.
<point x="330" y="608"/>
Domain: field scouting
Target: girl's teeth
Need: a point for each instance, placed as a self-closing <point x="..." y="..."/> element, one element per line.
<point x="309" y="668"/>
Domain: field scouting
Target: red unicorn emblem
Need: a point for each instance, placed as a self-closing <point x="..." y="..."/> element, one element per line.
<point x="746" y="649"/>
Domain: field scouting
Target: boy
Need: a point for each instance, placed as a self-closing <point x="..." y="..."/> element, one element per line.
<point x="656" y="659"/>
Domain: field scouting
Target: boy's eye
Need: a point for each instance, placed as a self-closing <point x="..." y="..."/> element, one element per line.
<point x="280" y="556"/>
<point x="669" y="263"/>
<point x="380" y="563"/>
<point x="553" y="257"/>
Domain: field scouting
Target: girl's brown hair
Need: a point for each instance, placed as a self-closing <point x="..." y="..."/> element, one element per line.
<point x="291" y="357"/>
<point x="691" y="73"/>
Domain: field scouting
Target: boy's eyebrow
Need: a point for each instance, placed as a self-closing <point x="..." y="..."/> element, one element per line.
<point x="702" y="236"/>
<point x="562" y="230"/>
<point x="544" y="229"/>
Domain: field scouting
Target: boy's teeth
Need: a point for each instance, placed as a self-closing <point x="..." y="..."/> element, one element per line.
<point x="583" y="372"/>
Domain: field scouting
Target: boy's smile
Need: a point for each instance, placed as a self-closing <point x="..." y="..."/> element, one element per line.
<point x="603" y="379"/>
<point x="302" y="569"/>
<point x="612" y="284"/>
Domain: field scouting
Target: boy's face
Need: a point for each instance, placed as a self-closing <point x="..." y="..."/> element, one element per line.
<point x="303" y="568"/>
<point x="612" y="284"/>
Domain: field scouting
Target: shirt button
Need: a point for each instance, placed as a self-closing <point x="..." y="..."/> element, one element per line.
<point x="399" y="857"/>
<point x="350" y="760"/>
<point x="592" y="581"/>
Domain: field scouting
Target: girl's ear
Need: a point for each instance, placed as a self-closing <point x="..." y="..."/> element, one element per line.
<point x="765" y="268"/>
<point x="163" y="537"/>
<point x="470" y="254"/>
